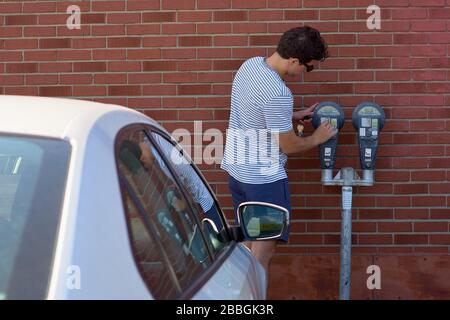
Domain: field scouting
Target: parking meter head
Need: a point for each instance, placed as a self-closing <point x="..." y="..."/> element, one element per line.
<point x="368" y="120"/>
<point x="332" y="113"/>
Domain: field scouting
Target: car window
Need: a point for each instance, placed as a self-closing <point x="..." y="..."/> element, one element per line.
<point x="32" y="181"/>
<point x="204" y="203"/>
<point x="165" y="214"/>
<point x="149" y="255"/>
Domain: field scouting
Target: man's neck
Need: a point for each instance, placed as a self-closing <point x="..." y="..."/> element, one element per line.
<point x="277" y="63"/>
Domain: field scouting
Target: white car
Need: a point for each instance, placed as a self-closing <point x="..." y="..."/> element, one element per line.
<point x="98" y="202"/>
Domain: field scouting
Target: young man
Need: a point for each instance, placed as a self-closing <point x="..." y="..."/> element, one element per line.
<point x="260" y="133"/>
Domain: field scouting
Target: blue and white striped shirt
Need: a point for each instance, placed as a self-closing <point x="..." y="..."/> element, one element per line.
<point x="261" y="107"/>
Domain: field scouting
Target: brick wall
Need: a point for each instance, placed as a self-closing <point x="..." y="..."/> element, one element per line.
<point x="175" y="60"/>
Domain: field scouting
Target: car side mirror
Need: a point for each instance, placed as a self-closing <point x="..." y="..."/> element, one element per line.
<point x="262" y="221"/>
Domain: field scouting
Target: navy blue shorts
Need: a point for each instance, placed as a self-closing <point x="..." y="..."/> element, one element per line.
<point x="276" y="193"/>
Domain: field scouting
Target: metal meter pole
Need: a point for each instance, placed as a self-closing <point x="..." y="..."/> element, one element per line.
<point x="346" y="243"/>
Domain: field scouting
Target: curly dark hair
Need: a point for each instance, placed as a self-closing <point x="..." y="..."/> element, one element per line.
<point x="304" y="43"/>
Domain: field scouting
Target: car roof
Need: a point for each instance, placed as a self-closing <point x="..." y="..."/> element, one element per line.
<point x="51" y="117"/>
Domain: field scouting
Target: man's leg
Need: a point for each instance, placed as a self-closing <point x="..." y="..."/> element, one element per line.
<point x="264" y="252"/>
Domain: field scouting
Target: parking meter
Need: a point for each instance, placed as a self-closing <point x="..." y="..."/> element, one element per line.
<point x="368" y="120"/>
<point x="332" y="113"/>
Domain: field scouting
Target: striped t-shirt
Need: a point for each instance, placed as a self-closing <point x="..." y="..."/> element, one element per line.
<point x="261" y="107"/>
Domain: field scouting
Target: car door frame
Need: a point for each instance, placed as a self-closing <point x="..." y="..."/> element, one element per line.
<point x="216" y="260"/>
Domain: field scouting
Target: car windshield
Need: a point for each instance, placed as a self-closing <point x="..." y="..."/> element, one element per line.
<point x="32" y="178"/>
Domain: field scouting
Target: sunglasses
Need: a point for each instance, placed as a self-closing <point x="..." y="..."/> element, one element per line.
<point x="309" y="67"/>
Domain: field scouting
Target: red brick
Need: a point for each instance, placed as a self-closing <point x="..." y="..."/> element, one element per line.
<point x="9" y="7"/>
<point x="380" y="239"/>
<point x="157" y="41"/>
<point x="179" y="102"/>
<point x="178" y="53"/>
<point x="441" y="13"/>
<point x="409" y="13"/>
<point x="198" y="89"/>
<point x="429" y="3"/>
<point x="37" y="79"/>
<point x="36" y="7"/>
<point x="230" y="16"/>
<point x="323" y="3"/>
<point x="408" y="87"/>
<point x="143" y="54"/>
<point x="179" y="28"/>
<point x="127" y="66"/>
<point x="88" y="43"/>
<point x="194" y="65"/>
<point x="11" y="56"/>
<point x="21" y="67"/>
<point x="114" y="54"/>
<point x="208" y="53"/>
<point x="253" y="28"/>
<point x="123" y="18"/>
<point x="297" y="15"/>
<point x="89" y="67"/>
<point x="372" y="88"/>
<point x="180" y="77"/>
<point x="10" y="32"/>
<point x="132" y="90"/>
<point x="411" y="239"/>
<point x="21" y="91"/>
<point x="213" y="28"/>
<point x="265" y="40"/>
<point x="268" y="15"/>
<point x="6" y="79"/>
<point x="58" y="91"/>
<point x="143" y="29"/>
<point x="53" y="67"/>
<point x="399" y="201"/>
<point x="428" y="26"/>
<point x="440" y="239"/>
<point x="158" y="66"/>
<point x="36" y="31"/>
<point x="430" y="226"/>
<point x="75" y="78"/>
<point x="392" y="226"/>
<point x="20" y="20"/>
<point x="158" y="17"/>
<point x="159" y="90"/>
<point x="178" y="4"/>
<point x="143" y="78"/>
<point x="411" y="214"/>
<point x="140" y="5"/>
<point x="108" y="5"/>
<point x="108" y="30"/>
<point x="51" y="19"/>
<point x="89" y="91"/>
<point x="194" y="16"/>
<point x="411" y="38"/>
<point x="213" y="4"/>
<point x="428" y="201"/>
<point x="124" y="42"/>
<point x="231" y="41"/>
<point x="195" y="41"/>
<point x="115" y="78"/>
<point x="374" y="63"/>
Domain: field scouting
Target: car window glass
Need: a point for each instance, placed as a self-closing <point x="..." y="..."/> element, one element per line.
<point x="148" y="255"/>
<point x="204" y="204"/>
<point x="165" y="208"/>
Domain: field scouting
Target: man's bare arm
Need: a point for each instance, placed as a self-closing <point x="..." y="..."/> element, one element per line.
<point x="290" y="143"/>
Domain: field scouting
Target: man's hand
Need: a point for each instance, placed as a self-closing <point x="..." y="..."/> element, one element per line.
<point x="299" y="116"/>
<point x="324" y="132"/>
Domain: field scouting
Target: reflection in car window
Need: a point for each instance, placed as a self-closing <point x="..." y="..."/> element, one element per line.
<point x="148" y="255"/>
<point x="165" y="209"/>
<point x="205" y="206"/>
